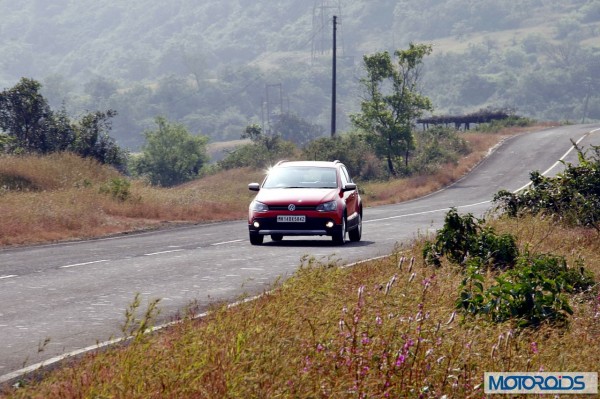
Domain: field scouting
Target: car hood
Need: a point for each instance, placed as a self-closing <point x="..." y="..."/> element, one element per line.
<point x="305" y="196"/>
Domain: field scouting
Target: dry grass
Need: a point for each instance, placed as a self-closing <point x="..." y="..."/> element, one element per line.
<point x="382" y="329"/>
<point x="57" y="197"/>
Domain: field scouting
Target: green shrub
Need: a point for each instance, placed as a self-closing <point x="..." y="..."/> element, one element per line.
<point x="464" y="237"/>
<point x="118" y="188"/>
<point x="532" y="293"/>
<point x="572" y="197"/>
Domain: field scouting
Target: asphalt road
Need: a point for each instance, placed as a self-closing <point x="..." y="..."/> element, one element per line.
<point x="55" y="299"/>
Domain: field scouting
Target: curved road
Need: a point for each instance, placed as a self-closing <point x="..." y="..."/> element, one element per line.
<point x="60" y="298"/>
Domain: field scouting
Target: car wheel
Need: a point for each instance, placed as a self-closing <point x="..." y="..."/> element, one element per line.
<point x="356" y="233"/>
<point x="276" y="237"/>
<point x="340" y="236"/>
<point x="256" y="239"/>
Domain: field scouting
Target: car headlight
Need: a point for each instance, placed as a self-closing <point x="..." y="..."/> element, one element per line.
<point x="327" y="206"/>
<point x="258" y="206"/>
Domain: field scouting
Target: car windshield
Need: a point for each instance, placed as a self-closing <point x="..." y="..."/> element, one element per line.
<point x="301" y="177"/>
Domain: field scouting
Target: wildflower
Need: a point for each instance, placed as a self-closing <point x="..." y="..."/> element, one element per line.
<point x="440" y="359"/>
<point x="341" y="324"/>
<point x="365" y="339"/>
<point x="361" y="289"/>
<point x="378" y="320"/>
<point x="534" y="348"/>
<point x="320" y="348"/>
<point x="412" y="262"/>
<point x="400" y="262"/>
<point x="389" y="284"/>
<point x="400" y="360"/>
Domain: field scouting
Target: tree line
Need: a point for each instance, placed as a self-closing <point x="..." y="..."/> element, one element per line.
<point x="383" y="143"/>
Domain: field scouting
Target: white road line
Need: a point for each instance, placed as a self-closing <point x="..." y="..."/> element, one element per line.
<point x="426" y="212"/>
<point x="83" y="264"/>
<point x="163" y="252"/>
<point x="225" y="242"/>
<point x="559" y="161"/>
<point x="8" y="276"/>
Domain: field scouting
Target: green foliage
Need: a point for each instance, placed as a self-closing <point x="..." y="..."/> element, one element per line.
<point x="531" y="289"/>
<point x="511" y="121"/>
<point x="435" y="147"/>
<point x="573" y="196"/>
<point x="463" y="238"/>
<point x="293" y="128"/>
<point x="33" y="127"/>
<point x="349" y="148"/>
<point x="92" y="139"/>
<point x="171" y="155"/>
<point x="26" y="116"/>
<point x="118" y="188"/>
<point x="392" y="103"/>
<point x="263" y="152"/>
<point x="532" y="293"/>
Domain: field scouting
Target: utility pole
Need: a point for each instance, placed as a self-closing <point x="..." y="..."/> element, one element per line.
<point x="333" y="77"/>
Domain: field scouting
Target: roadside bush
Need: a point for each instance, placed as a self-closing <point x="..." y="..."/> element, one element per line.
<point x="532" y="293"/>
<point x="118" y="188"/>
<point x="499" y="124"/>
<point x="437" y="146"/>
<point x="573" y="196"/>
<point x="464" y="237"/>
<point x="261" y="153"/>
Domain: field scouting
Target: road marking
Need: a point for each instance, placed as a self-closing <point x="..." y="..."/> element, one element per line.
<point x="8" y="276"/>
<point x="163" y="252"/>
<point x="559" y="161"/>
<point x="426" y="212"/>
<point x="225" y="242"/>
<point x="83" y="264"/>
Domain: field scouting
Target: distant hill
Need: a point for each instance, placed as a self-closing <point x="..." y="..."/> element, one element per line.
<point x="216" y="65"/>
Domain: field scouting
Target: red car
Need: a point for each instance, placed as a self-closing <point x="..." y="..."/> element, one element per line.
<point x="306" y="198"/>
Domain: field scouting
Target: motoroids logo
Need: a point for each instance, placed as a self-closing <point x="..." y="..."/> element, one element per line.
<point x="542" y="382"/>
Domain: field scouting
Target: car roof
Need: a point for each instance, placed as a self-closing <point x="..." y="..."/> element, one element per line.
<point x="321" y="164"/>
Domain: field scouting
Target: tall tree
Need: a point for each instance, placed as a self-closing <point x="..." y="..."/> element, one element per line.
<point x="92" y="139"/>
<point x="26" y="116"/>
<point x="392" y="102"/>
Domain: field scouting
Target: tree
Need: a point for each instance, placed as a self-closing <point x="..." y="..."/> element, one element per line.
<point x="296" y="129"/>
<point x="264" y="150"/>
<point x="392" y="102"/>
<point x="92" y="139"/>
<point x="171" y="155"/>
<point x="26" y="116"/>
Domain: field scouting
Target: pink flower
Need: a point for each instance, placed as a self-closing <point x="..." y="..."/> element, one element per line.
<point x="400" y="360"/>
<point x="534" y="348"/>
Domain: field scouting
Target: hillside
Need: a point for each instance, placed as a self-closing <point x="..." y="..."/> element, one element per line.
<point x="219" y="65"/>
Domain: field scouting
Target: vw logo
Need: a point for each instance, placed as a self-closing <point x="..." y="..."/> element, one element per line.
<point x="291" y="207"/>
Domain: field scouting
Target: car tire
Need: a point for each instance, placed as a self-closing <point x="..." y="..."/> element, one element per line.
<point x="339" y="236"/>
<point x="356" y="233"/>
<point x="276" y="237"/>
<point x="256" y="239"/>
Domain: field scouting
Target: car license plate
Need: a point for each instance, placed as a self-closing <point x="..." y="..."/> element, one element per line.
<point x="291" y="219"/>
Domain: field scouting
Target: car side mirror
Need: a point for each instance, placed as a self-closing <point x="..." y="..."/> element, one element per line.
<point x="254" y="187"/>
<point x="349" y="187"/>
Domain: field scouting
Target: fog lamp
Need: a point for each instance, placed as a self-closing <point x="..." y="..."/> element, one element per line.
<point x="256" y="225"/>
<point x="329" y="224"/>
